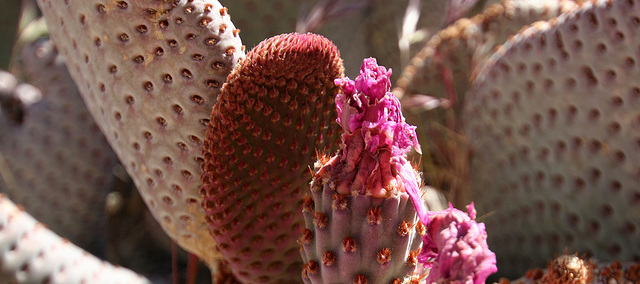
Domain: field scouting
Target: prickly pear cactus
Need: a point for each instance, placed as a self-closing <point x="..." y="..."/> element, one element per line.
<point x="440" y="74"/>
<point x="52" y="146"/>
<point x="31" y="253"/>
<point x="274" y="113"/>
<point x="361" y="225"/>
<point x="553" y="122"/>
<point x="150" y="71"/>
<point x="463" y="46"/>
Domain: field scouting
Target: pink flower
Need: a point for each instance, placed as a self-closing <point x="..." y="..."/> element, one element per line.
<point x="367" y="108"/>
<point x="455" y="247"/>
<point x="368" y="103"/>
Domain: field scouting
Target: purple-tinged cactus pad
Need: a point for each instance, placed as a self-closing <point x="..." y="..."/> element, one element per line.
<point x="53" y="147"/>
<point x="31" y="253"/>
<point x="443" y="70"/>
<point x="553" y="119"/>
<point x="150" y="72"/>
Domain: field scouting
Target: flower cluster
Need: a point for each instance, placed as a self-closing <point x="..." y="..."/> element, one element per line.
<point x="455" y="247"/>
<point x="367" y="103"/>
<point x="370" y="114"/>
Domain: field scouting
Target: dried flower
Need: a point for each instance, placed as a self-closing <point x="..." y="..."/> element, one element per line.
<point x="455" y="247"/>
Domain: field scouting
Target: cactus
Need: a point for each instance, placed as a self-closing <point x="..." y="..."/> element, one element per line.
<point x="273" y="113"/>
<point x="440" y="74"/>
<point x="573" y="269"/>
<point x="367" y="180"/>
<point x="151" y="70"/>
<point x="556" y="152"/>
<point x="76" y="177"/>
<point x="31" y="253"/>
<point x="138" y="66"/>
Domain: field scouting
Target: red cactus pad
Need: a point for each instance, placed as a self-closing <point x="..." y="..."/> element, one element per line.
<point x="275" y="111"/>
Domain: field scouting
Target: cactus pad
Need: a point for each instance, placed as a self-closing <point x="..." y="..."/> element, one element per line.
<point x="553" y="121"/>
<point x="57" y="151"/>
<point x="360" y="221"/>
<point x="150" y="72"/>
<point x="31" y="253"/>
<point x="274" y="113"/>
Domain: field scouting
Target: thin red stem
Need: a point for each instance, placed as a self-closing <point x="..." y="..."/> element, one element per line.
<point x="192" y="269"/>
<point x="174" y="263"/>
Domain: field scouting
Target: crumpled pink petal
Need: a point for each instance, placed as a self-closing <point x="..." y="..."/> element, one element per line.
<point x="455" y="247"/>
<point x="368" y="103"/>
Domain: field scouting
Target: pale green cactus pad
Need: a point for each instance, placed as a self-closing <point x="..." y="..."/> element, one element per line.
<point x="554" y="125"/>
<point x="52" y="146"/>
<point x="444" y="68"/>
<point x="31" y="253"/>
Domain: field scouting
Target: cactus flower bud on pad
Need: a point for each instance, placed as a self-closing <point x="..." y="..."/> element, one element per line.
<point x="371" y="118"/>
<point x="455" y="247"/>
<point x="361" y="225"/>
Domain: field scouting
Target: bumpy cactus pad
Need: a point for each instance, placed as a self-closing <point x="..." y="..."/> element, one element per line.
<point x="150" y="72"/>
<point x="358" y="238"/>
<point x="444" y="68"/>
<point x="56" y="151"/>
<point x="464" y="45"/>
<point x="31" y="253"/>
<point x="554" y="124"/>
<point x="275" y="111"/>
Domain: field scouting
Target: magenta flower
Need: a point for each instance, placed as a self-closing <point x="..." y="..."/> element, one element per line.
<point x="455" y="247"/>
<point x="368" y="103"/>
<point x="367" y="108"/>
